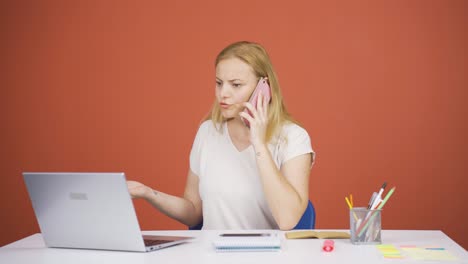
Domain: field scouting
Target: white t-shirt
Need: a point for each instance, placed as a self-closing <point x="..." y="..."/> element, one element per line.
<point x="229" y="183"/>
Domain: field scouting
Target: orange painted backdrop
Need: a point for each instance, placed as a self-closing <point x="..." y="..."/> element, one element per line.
<point x="381" y="87"/>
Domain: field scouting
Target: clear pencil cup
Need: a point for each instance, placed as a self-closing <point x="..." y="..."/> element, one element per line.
<point x="365" y="226"/>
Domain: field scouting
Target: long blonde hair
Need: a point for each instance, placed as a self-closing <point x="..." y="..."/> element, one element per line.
<point x="255" y="55"/>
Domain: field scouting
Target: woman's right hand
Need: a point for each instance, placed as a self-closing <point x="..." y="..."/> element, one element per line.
<point x="138" y="190"/>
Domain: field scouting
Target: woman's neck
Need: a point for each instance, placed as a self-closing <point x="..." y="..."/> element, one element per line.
<point x="237" y="128"/>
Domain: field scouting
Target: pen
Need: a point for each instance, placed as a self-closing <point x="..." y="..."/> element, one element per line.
<point x="381" y="205"/>
<point x="378" y="198"/>
<point x="382" y="188"/>
<point x="372" y="199"/>
<point x="245" y="234"/>
<point x="386" y="198"/>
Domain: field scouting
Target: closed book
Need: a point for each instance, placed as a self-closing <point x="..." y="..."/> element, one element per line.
<point x="272" y="242"/>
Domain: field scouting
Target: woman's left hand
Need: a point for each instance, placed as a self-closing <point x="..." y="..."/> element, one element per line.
<point x="258" y="120"/>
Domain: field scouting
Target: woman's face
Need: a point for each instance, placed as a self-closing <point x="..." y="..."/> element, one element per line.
<point x="235" y="82"/>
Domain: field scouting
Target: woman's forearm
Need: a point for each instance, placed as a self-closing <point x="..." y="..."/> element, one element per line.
<point x="179" y="208"/>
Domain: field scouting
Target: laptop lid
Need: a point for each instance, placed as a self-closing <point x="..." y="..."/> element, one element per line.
<point x="89" y="211"/>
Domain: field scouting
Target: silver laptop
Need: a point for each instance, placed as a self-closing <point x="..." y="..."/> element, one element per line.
<point x="89" y="211"/>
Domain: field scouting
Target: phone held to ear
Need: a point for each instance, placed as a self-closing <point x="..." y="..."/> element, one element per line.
<point x="262" y="87"/>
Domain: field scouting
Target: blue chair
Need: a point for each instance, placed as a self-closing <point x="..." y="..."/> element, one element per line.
<point x="307" y="220"/>
<point x="196" y="227"/>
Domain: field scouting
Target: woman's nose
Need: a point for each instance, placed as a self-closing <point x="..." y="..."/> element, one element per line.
<point x="224" y="91"/>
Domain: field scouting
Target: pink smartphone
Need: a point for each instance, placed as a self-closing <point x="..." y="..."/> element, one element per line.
<point x="263" y="87"/>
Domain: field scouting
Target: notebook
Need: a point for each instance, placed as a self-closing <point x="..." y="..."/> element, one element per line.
<point x="317" y="234"/>
<point x="247" y="242"/>
<point x="89" y="211"/>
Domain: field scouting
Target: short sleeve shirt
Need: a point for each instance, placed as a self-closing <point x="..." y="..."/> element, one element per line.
<point x="229" y="182"/>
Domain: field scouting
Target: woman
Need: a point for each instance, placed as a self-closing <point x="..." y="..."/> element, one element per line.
<point x="253" y="176"/>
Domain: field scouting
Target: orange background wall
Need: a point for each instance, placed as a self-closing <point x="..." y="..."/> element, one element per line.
<point x="381" y="87"/>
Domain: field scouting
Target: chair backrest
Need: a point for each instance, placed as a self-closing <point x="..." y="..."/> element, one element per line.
<point x="307" y="220"/>
<point x="196" y="227"/>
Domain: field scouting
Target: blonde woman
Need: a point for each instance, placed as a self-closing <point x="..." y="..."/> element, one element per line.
<point x="242" y="177"/>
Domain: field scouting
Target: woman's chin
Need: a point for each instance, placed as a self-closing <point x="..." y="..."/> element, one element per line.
<point x="229" y="114"/>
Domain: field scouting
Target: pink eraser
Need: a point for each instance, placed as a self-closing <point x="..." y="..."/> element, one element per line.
<point x="328" y="245"/>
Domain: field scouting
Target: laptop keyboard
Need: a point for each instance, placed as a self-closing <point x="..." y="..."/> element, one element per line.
<point x="153" y="242"/>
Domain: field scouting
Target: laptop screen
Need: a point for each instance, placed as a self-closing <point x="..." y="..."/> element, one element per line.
<point x="85" y="210"/>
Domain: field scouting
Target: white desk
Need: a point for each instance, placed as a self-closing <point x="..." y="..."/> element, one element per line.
<point x="32" y="250"/>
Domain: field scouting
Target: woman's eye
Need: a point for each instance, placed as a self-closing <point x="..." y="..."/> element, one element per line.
<point x="218" y="83"/>
<point x="236" y="85"/>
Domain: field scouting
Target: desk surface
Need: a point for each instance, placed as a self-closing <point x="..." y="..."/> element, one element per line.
<point x="32" y="250"/>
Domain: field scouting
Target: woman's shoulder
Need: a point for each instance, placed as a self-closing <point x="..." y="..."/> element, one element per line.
<point x="206" y="124"/>
<point x="207" y="127"/>
<point x="291" y="128"/>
